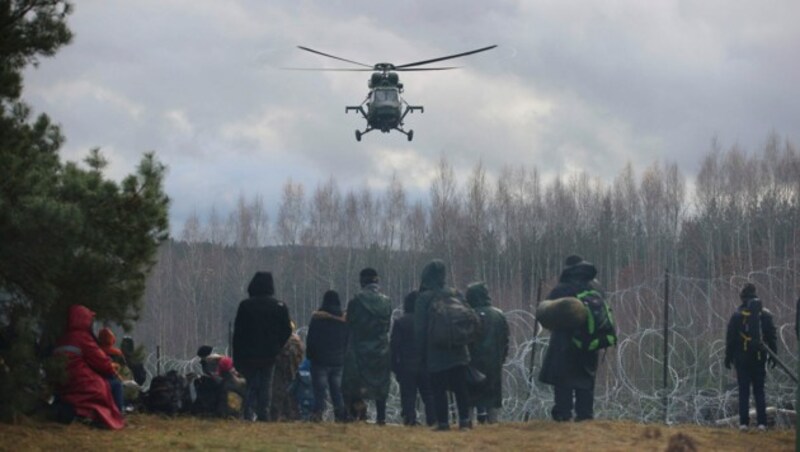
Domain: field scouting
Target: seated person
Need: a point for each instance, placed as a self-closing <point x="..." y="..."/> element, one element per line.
<point x="217" y="381"/>
<point x="88" y="369"/>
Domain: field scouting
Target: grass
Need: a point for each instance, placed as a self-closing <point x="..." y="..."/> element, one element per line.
<point x="146" y="432"/>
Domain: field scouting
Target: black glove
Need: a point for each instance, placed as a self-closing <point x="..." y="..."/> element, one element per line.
<point x="727" y="363"/>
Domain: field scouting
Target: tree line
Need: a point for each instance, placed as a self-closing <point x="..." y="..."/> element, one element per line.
<point x="739" y="214"/>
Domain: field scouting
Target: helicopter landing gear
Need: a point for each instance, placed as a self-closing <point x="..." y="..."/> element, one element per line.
<point x="358" y="135"/>
<point x="410" y="135"/>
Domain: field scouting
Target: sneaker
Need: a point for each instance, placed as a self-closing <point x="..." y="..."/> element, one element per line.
<point x="743" y="427"/>
<point x="762" y="428"/>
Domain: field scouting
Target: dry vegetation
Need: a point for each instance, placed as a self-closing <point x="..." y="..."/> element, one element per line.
<point x="146" y="432"/>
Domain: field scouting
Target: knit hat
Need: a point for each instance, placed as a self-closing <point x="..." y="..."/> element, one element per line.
<point x="204" y="351"/>
<point x="748" y="291"/>
<point x="368" y="276"/>
<point x="573" y="260"/>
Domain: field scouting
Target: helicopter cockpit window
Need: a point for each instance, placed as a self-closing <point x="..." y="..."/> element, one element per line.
<point x="386" y="95"/>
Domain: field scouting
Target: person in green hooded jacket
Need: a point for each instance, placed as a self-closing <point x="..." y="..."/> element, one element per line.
<point x="447" y="366"/>
<point x="367" y="362"/>
<point x="488" y="353"/>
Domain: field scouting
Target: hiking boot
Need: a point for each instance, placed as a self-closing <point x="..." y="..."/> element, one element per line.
<point x="762" y="428"/>
<point x="743" y="428"/>
<point x="441" y="428"/>
<point x="465" y="425"/>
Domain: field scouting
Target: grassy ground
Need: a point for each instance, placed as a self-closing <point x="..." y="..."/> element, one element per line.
<point x="145" y="432"/>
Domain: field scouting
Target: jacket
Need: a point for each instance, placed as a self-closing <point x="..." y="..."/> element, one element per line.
<point x="432" y="286"/>
<point x="88" y="367"/>
<point x="563" y="363"/>
<point x="261" y="328"/>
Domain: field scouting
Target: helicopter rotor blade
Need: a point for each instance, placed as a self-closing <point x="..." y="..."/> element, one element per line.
<point x="409" y="69"/>
<point x="419" y="63"/>
<point x="334" y="57"/>
<point x="326" y="69"/>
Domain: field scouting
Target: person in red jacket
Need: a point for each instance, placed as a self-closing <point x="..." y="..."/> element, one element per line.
<point x="88" y="367"/>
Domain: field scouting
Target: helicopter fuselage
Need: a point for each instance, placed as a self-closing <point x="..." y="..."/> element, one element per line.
<point x="384" y="108"/>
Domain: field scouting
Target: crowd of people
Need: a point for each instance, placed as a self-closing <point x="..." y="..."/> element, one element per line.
<point x="350" y="354"/>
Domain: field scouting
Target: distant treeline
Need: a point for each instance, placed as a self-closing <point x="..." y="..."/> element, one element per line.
<point x="741" y="213"/>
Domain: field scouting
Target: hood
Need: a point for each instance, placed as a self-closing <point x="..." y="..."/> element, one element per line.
<point x="478" y="295"/>
<point x="261" y="285"/>
<point x="79" y="318"/>
<point x="582" y="271"/>
<point x="106" y="337"/>
<point x="433" y="276"/>
<point x="410" y="301"/>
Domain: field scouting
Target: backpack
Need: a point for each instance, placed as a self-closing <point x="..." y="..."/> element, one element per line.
<point x="600" y="331"/>
<point x="749" y="330"/>
<point x="302" y="390"/>
<point x="167" y="394"/>
<point x="452" y="323"/>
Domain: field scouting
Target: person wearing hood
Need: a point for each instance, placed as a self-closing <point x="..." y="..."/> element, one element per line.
<point x="488" y="353"/>
<point x="570" y="370"/>
<point x="107" y="341"/>
<point x="750" y="329"/>
<point x="446" y="366"/>
<point x="260" y="330"/>
<point x="405" y="365"/>
<point x="88" y="369"/>
<point x="367" y="373"/>
<point x="325" y="347"/>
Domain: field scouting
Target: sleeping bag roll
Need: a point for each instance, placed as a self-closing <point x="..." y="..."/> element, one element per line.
<point x="565" y="313"/>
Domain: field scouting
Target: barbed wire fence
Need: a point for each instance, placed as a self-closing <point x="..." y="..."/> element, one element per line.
<point x="629" y="382"/>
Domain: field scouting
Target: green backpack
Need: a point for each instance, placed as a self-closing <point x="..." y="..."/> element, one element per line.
<point x="452" y="323"/>
<point x="599" y="331"/>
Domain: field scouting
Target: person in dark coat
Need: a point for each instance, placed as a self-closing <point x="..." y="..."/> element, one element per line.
<point x="405" y="365"/>
<point x="746" y="352"/>
<point x="325" y="347"/>
<point x="367" y="373"/>
<point x="569" y="369"/>
<point x="446" y="366"/>
<point x="88" y="369"/>
<point x="488" y="353"/>
<point x="260" y="330"/>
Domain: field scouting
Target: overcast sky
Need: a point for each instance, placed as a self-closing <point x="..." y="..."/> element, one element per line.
<point x="572" y="86"/>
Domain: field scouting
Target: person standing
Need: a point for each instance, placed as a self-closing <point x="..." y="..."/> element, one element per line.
<point x="325" y="347"/>
<point x="366" y="362"/>
<point x="750" y="329"/>
<point x="446" y="366"/>
<point x="488" y="353"/>
<point x="571" y="370"/>
<point x="260" y="331"/>
<point x="405" y="365"/>
<point x="283" y="407"/>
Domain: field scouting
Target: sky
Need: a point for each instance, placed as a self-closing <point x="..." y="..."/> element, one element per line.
<point x="572" y="86"/>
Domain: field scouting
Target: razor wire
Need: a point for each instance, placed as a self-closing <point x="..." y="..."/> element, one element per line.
<point x="629" y="381"/>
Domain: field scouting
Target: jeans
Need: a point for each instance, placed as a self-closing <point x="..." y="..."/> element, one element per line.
<point x="326" y="379"/>
<point x="583" y="403"/>
<point x="258" y="393"/>
<point x="752" y="375"/>
<point x="116" y="393"/>
<point x="455" y="379"/>
<point x="410" y="383"/>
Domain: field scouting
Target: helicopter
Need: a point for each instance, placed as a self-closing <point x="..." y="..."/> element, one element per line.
<point x="384" y="108"/>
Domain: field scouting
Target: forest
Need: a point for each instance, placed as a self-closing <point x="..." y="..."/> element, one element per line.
<point x="657" y="239"/>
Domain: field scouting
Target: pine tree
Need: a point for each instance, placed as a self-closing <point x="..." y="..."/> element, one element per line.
<point x="68" y="235"/>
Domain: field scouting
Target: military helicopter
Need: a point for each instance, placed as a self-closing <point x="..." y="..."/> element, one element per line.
<point x="384" y="108"/>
